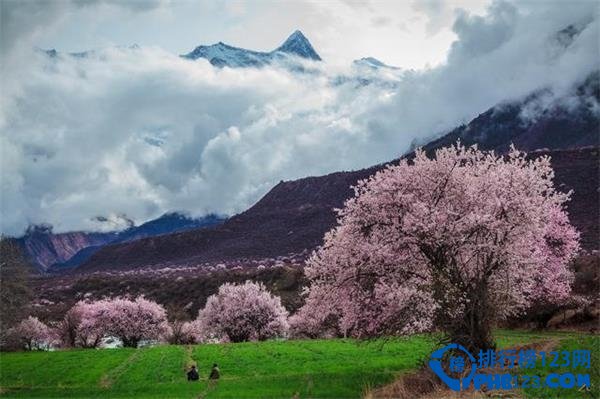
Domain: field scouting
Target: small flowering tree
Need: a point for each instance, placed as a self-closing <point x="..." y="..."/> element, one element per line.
<point x="81" y="327"/>
<point x="244" y="312"/>
<point x="32" y="333"/>
<point x="133" y="321"/>
<point x="186" y="332"/>
<point x="130" y="321"/>
<point x="456" y="242"/>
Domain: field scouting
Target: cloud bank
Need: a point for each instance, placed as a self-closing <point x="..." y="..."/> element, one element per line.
<point x="140" y="131"/>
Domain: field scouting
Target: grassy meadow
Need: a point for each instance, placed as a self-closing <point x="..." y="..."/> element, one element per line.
<point x="273" y="369"/>
<point x="591" y="342"/>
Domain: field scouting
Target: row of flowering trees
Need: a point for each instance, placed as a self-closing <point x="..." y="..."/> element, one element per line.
<point x="453" y="243"/>
<point x="236" y="313"/>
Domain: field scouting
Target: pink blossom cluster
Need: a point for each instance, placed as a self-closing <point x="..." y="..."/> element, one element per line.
<point x="186" y="332"/>
<point x="31" y="334"/>
<point x="465" y="237"/>
<point x="161" y="271"/>
<point x="129" y="320"/>
<point x="244" y="312"/>
<point x="316" y="319"/>
<point x="79" y="326"/>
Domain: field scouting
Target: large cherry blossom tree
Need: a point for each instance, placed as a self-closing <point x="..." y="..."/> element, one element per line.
<point x="244" y="312"/>
<point x="316" y="319"/>
<point x="455" y="242"/>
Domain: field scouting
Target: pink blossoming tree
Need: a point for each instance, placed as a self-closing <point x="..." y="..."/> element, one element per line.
<point x="32" y="333"/>
<point x="81" y="326"/>
<point x="245" y="312"/>
<point x="130" y="321"/>
<point x="316" y="319"/>
<point x="186" y="332"/>
<point x="456" y="242"/>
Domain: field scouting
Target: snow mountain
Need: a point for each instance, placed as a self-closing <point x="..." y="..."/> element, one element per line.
<point x="299" y="45"/>
<point x="221" y="54"/>
<point x="53" y="53"/>
<point x="372" y="62"/>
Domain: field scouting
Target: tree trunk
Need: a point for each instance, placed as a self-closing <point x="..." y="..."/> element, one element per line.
<point x="130" y="342"/>
<point x="474" y="331"/>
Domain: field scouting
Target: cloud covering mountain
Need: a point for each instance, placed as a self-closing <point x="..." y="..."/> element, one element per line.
<point x="141" y="131"/>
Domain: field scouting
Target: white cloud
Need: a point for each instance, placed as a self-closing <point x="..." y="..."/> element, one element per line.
<point x="138" y="132"/>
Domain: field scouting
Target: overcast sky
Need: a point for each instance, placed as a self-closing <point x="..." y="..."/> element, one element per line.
<point x="403" y="33"/>
<point x="133" y="133"/>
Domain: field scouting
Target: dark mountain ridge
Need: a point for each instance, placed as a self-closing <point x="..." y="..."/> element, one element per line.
<point x="569" y="121"/>
<point x="291" y="218"/>
<point x="294" y="216"/>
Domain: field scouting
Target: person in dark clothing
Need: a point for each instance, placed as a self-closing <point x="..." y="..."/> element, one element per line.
<point x="214" y="373"/>
<point x="193" y="375"/>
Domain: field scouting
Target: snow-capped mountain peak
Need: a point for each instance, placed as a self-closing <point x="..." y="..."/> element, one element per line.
<point x="372" y="62"/>
<point x="299" y="45"/>
<point x="221" y="54"/>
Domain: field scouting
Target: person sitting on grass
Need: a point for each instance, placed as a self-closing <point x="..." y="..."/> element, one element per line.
<point x="193" y="375"/>
<point x="214" y="373"/>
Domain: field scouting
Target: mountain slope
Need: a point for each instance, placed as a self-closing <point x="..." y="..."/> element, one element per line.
<point x="221" y="54"/>
<point x="168" y="223"/>
<point x="44" y="248"/>
<point x="569" y="121"/>
<point x="54" y="252"/>
<point x="294" y="215"/>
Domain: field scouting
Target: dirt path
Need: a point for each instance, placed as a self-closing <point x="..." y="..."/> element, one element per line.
<point x="188" y="360"/>
<point x="424" y="384"/>
<point x="204" y="386"/>
<point x="108" y="379"/>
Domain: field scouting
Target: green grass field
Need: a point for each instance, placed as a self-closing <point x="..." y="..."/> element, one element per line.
<point x="571" y="343"/>
<point x="273" y="369"/>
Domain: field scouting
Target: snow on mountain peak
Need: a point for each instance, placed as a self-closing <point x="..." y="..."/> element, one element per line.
<point x="299" y="45"/>
<point x="221" y="54"/>
<point x="372" y="62"/>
